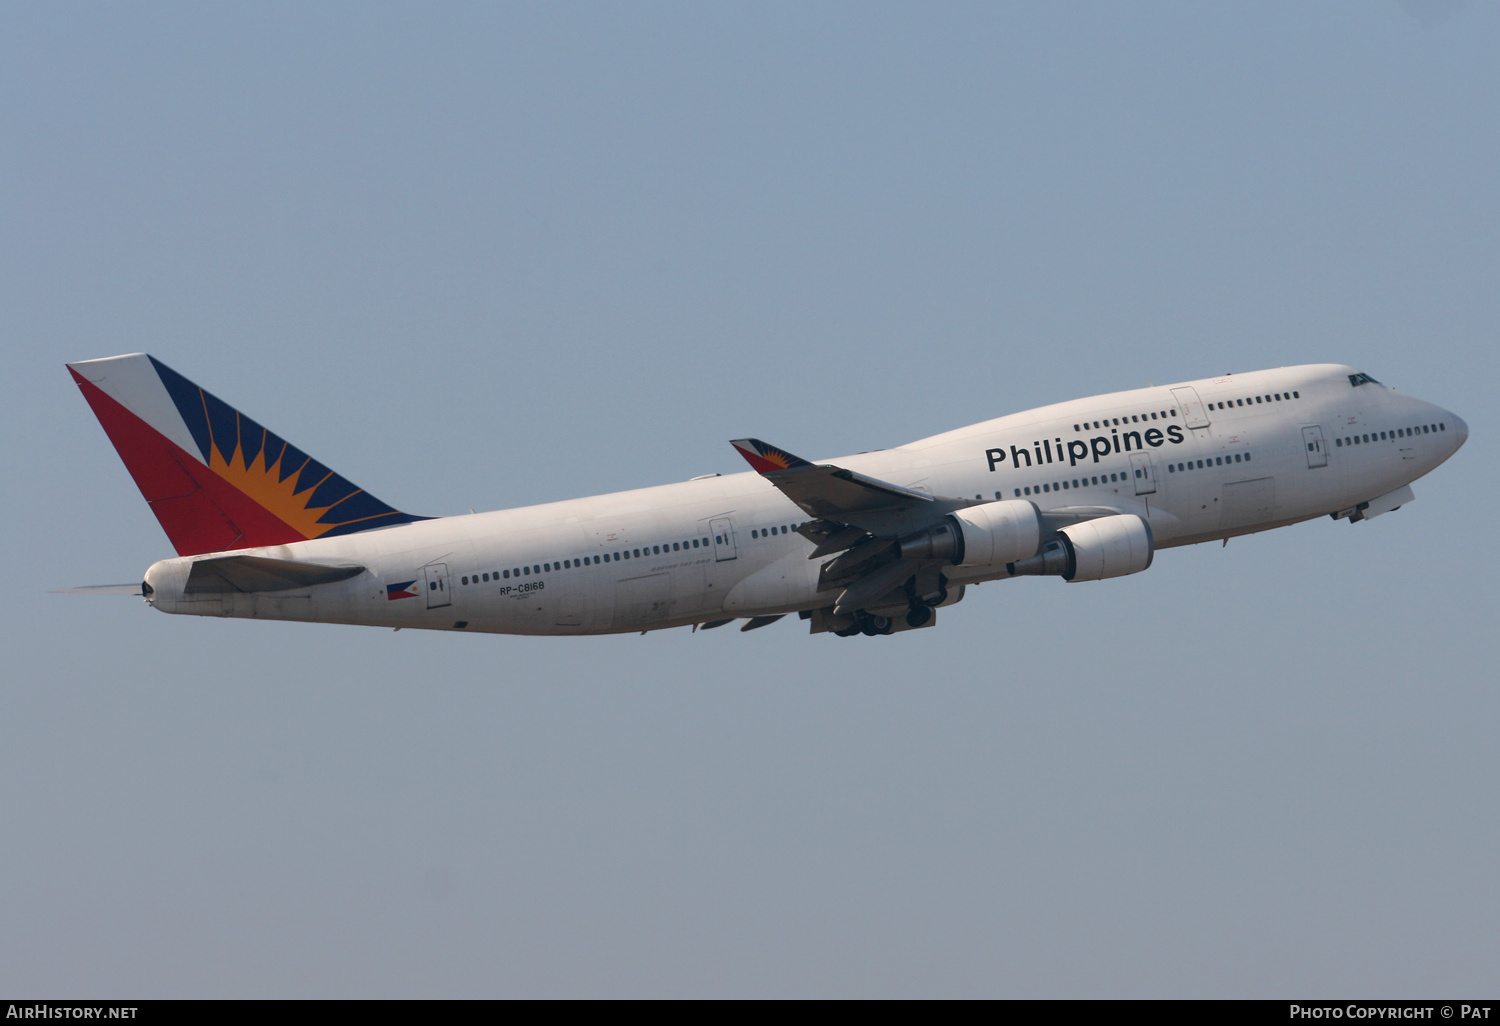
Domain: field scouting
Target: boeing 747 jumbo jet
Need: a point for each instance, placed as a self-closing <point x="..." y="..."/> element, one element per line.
<point x="868" y="544"/>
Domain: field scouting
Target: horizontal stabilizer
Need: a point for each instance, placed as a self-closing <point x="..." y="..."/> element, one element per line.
<point x="102" y="589"/>
<point x="258" y="573"/>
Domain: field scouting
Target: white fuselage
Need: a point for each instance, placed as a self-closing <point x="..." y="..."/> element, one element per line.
<point x="1282" y="449"/>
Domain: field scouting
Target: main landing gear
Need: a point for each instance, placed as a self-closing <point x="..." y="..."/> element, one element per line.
<point x="867" y="624"/>
<point x="920" y="605"/>
<point x="919" y="610"/>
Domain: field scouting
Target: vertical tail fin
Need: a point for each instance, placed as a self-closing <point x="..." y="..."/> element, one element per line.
<point x="216" y="479"/>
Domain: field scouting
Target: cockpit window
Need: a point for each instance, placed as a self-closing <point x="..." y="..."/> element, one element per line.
<point x="1362" y="379"/>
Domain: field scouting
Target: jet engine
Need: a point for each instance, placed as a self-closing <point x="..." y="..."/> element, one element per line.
<point x="992" y="534"/>
<point x="1093" y="550"/>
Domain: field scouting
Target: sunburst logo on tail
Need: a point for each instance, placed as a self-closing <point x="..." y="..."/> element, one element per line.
<point x="283" y="480"/>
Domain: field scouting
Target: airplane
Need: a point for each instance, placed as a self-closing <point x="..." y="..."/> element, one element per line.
<point x="869" y="544"/>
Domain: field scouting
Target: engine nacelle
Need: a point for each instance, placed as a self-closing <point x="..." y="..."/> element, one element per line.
<point x="991" y="534"/>
<point x="1094" y="550"/>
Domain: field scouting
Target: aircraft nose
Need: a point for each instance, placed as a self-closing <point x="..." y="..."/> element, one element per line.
<point x="1461" y="430"/>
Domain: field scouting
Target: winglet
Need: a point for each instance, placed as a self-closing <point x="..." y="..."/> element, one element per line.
<point x="765" y="458"/>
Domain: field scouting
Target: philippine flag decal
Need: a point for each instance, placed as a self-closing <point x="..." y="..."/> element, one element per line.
<point x="406" y="589"/>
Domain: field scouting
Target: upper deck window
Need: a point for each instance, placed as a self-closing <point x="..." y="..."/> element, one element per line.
<point x="1362" y="379"/>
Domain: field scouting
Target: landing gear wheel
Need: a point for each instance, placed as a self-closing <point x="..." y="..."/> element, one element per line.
<point x="918" y="615"/>
<point x="936" y="600"/>
<point x="848" y="632"/>
<point x="872" y="626"/>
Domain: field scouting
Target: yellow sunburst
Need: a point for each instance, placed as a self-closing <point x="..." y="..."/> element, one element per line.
<point x="265" y="485"/>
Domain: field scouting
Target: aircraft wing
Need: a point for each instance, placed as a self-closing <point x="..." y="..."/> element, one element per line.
<point x="856" y="515"/>
<point x="842" y="496"/>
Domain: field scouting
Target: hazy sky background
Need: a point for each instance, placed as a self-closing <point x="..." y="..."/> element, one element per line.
<point x="489" y="255"/>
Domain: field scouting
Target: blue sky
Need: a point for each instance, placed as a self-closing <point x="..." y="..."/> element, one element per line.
<point x="477" y="256"/>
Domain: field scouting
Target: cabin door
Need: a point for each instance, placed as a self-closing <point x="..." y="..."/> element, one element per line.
<point x="1140" y="466"/>
<point x="723" y="532"/>
<point x="436" y="575"/>
<point x="1192" y="407"/>
<point x="1317" y="451"/>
